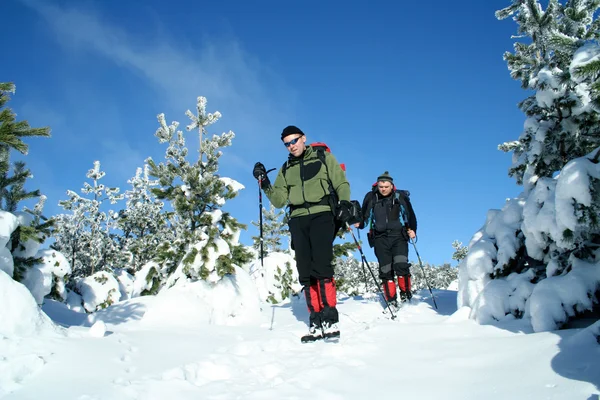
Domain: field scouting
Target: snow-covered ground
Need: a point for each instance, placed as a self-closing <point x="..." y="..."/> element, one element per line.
<point x="423" y="354"/>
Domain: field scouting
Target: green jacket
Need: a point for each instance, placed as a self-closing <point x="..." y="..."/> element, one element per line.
<point x="305" y="181"/>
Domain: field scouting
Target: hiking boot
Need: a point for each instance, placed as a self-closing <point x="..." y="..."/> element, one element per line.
<point x="314" y="333"/>
<point x="331" y="330"/>
<point x="394" y="303"/>
<point x="405" y="296"/>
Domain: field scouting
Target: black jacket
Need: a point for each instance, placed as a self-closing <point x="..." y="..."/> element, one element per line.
<point x="384" y="212"/>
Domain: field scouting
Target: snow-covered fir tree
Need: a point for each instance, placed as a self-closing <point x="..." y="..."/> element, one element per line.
<point x="438" y="276"/>
<point x="353" y="277"/>
<point x="143" y="223"/>
<point x="197" y="194"/>
<point x="274" y="231"/>
<point x="86" y="235"/>
<point x="12" y="186"/>
<point x="538" y="257"/>
<point x="561" y="123"/>
<point x="460" y="251"/>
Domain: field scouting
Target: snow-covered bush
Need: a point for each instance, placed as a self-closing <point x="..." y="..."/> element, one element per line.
<point x="47" y="278"/>
<point x="277" y="279"/>
<point x="232" y="300"/>
<point x="539" y="256"/>
<point x="148" y="280"/>
<point x="98" y="291"/>
<point x="126" y="283"/>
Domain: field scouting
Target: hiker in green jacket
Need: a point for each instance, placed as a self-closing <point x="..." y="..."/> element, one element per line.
<point x="315" y="188"/>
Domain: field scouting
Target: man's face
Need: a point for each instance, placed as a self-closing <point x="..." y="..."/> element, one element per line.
<point x="295" y="144"/>
<point x="384" y="187"/>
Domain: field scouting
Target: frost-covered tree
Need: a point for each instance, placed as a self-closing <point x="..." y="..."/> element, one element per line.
<point x="537" y="257"/>
<point x="12" y="186"/>
<point x="354" y="278"/>
<point x="197" y="194"/>
<point x="438" y="276"/>
<point x="86" y="236"/>
<point x="561" y="122"/>
<point x="460" y="251"/>
<point x="275" y="230"/>
<point x="144" y="223"/>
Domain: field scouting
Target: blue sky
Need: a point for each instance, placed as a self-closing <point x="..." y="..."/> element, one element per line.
<point x="424" y="94"/>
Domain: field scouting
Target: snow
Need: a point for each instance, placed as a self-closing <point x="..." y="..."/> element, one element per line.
<point x="19" y="312"/>
<point x="8" y="223"/>
<point x="586" y="54"/>
<point x="98" y="330"/>
<point x="553" y="88"/>
<point x="450" y="356"/>
<point x="232" y="183"/>
<point x="557" y="297"/>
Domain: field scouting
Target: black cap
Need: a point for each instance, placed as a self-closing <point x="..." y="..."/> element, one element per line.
<point x="290" y="130"/>
<point x="385" y="177"/>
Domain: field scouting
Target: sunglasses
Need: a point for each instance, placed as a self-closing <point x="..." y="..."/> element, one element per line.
<point x="291" y="142"/>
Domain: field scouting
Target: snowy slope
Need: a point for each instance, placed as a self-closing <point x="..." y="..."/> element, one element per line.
<point x="424" y="354"/>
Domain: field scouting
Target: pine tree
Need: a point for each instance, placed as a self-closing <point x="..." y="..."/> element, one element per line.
<point x="560" y="125"/>
<point x="86" y="235"/>
<point x="197" y="193"/>
<point x="460" y="251"/>
<point x="274" y="231"/>
<point x="354" y="278"/>
<point x="12" y="187"/>
<point x="552" y="229"/>
<point x="143" y="223"/>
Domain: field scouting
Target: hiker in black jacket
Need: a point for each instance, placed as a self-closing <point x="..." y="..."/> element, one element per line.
<point x="392" y="223"/>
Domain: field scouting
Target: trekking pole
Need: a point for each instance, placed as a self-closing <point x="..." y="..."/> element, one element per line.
<point x="260" y="208"/>
<point x="423" y="270"/>
<point x="364" y="260"/>
<point x="363" y="266"/>
<point x="405" y="223"/>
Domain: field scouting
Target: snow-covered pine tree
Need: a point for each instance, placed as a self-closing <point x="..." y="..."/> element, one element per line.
<point x="12" y="187"/>
<point x="274" y="231"/>
<point x="460" y="251"/>
<point x="560" y="123"/>
<point x="538" y="257"/>
<point x="438" y="276"/>
<point x="354" y="278"/>
<point x="143" y="222"/>
<point x="86" y="236"/>
<point x="196" y="192"/>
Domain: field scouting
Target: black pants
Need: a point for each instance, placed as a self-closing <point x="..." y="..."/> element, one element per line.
<point x="392" y="254"/>
<point x="312" y="237"/>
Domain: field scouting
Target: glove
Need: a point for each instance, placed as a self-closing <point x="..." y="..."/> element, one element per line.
<point x="344" y="211"/>
<point x="260" y="172"/>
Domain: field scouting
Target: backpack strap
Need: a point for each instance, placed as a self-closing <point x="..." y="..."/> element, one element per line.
<point x="333" y="199"/>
